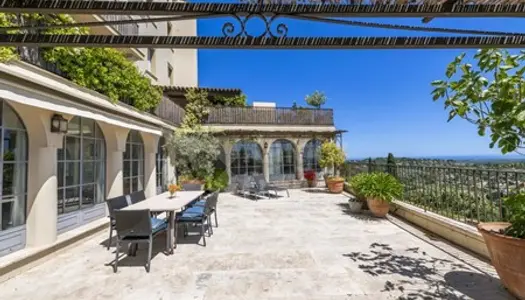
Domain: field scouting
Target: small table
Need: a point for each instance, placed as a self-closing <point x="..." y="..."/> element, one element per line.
<point x="163" y="203"/>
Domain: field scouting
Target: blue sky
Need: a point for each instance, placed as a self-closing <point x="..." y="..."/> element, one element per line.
<point x="382" y="97"/>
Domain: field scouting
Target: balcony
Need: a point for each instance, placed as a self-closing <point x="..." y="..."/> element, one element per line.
<point x="122" y="29"/>
<point x="119" y="29"/>
<point x="270" y="116"/>
<point x="169" y="111"/>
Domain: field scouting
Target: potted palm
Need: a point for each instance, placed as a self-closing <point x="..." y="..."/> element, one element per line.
<point x="506" y="244"/>
<point x="332" y="157"/>
<point x="379" y="189"/>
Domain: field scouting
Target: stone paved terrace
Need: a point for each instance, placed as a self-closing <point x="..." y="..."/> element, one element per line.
<point x="303" y="247"/>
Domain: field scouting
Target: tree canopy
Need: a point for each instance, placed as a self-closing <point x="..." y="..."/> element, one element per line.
<point x="489" y="94"/>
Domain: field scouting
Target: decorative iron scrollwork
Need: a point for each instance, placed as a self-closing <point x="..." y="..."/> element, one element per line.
<point x="230" y="29"/>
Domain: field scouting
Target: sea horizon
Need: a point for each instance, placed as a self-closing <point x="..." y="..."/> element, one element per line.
<point x="475" y="157"/>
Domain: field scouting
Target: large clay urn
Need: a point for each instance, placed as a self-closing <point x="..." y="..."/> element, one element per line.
<point x="378" y="207"/>
<point x="335" y="185"/>
<point x="507" y="255"/>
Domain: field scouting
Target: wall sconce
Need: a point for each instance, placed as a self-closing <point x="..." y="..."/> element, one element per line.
<point x="58" y="124"/>
<point x="265" y="145"/>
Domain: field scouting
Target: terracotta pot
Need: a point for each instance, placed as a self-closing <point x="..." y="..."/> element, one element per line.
<point x="336" y="186"/>
<point x="192" y="185"/>
<point x="507" y="255"/>
<point x="312" y="183"/>
<point x="378" y="207"/>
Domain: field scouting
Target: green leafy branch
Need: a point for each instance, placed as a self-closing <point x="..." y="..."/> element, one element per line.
<point x="489" y="95"/>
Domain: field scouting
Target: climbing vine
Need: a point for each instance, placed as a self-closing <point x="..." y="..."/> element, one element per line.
<point x="104" y="70"/>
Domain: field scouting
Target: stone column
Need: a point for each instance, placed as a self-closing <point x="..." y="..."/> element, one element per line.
<point x="266" y="164"/>
<point x="150" y="167"/>
<point x="42" y="196"/>
<point x="115" y="146"/>
<point x="299" y="166"/>
<point x="41" y="209"/>
<point x="227" y="147"/>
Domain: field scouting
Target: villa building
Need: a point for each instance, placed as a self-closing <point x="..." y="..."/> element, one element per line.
<point x="66" y="149"/>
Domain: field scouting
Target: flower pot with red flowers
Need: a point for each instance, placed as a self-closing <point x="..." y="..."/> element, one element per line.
<point x="311" y="178"/>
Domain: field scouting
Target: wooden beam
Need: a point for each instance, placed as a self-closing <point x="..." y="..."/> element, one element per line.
<point x="307" y="43"/>
<point x="333" y="8"/>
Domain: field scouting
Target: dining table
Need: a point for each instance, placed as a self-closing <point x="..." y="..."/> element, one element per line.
<point x="170" y="205"/>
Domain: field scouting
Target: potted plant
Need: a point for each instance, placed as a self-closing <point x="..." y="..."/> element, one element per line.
<point x="355" y="205"/>
<point x="506" y="244"/>
<point x="353" y="185"/>
<point x="193" y="153"/>
<point x="379" y="189"/>
<point x="487" y="91"/>
<point x="311" y="178"/>
<point x="332" y="156"/>
<point x="173" y="188"/>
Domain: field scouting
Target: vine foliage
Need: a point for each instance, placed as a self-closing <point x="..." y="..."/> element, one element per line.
<point x="104" y="70"/>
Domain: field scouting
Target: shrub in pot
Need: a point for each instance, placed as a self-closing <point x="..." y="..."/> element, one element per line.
<point x="353" y="184"/>
<point x="311" y="178"/>
<point x="379" y="189"/>
<point x="506" y="244"/>
<point x="332" y="157"/>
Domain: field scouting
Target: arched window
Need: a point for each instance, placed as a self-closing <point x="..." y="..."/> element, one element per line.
<point x="81" y="166"/>
<point x="311" y="156"/>
<point x="246" y="159"/>
<point x="133" y="163"/>
<point x="282" y="161"/>
<point x="14" y="169"/>
<point x="162" y="167"/>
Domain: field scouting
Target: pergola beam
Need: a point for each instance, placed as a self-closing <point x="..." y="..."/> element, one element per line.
<point x="185" y="42"/>
<point x="329" y="8"/>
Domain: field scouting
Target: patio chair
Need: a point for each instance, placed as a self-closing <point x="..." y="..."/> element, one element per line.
<point x="138" y="196"/>
<point x="113" y="205"/>
<point x="213" y="209"/>
<point x="198" y="215"/>
<point x="264" y="186"/>
<point x="134" y="227"/>
<point x="245" y="184"/>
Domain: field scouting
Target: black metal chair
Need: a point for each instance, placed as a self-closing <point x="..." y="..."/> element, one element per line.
<point x="113" y="205"/>
<point x="199" y="216"/>
<point x="137" y="196"/>
<point x="213" y="209"/>
<point x="134" y="227"/>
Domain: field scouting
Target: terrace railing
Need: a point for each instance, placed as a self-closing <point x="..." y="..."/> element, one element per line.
<point x="33" y="55"/>
<point x="469" y="195"/>
<point x="122" y="29"/>
<point x="269" y="116"/>
<point x="169" y="111"/>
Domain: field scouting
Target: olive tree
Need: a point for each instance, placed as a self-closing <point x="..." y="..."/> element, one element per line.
<point x="193" y="152"/>
<point x="316" y="99"/>
<point x="489" y="94"/>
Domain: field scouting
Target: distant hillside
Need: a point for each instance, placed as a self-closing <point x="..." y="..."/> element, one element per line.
<point x="499" y="162"/>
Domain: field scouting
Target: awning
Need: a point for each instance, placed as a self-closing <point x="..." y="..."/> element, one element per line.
<point x="32" y="101"/>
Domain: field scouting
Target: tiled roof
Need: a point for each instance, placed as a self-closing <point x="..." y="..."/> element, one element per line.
<point x="182" y="89"/>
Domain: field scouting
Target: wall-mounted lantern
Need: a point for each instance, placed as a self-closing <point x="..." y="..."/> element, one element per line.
<point x="58" y="124"/>
<point x="265" y="145"/>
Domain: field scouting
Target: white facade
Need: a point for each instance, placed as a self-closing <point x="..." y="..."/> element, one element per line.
<point x="54" y="183"/>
